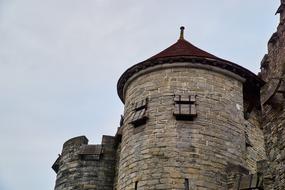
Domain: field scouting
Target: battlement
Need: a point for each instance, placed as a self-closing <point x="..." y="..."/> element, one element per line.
<point x="86" y="166"/>
<point x="80" y="140"/>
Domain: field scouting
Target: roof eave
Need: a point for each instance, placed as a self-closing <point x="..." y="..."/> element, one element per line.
<point x="251" y="78"/>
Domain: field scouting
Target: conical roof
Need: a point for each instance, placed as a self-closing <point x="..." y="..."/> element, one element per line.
<point x="183" y="48"/>
<point x="184" y="51"/>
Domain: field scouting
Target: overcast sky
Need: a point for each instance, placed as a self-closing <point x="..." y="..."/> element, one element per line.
<point x="60" y="61"/>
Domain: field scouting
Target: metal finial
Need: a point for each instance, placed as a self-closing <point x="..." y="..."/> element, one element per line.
<point x="182" y="33"/>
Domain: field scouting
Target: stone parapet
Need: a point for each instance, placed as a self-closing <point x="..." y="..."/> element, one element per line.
<point x="82" y="166"/>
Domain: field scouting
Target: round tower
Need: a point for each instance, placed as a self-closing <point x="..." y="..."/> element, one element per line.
<point x="183" y="120"/>
<point x="83" y="166"/>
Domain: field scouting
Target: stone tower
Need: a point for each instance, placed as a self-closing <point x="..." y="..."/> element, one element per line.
<point x="86" y="167"/>
<point x="272" y="99"/>
<point x="185" y="121"/>
<point x="191" y="121"/>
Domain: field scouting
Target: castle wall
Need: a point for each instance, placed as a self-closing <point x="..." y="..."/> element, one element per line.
<point x="86" y="167"/>
<point x="255" y="150"/>
<point x="274" y="132"/>
<point x="273" y="115"/>
<point x="166" y="153"/>
<point x="272" y="71"/>
<point x="118" y="151"/>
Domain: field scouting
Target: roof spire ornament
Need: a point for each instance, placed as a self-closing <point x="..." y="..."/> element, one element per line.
<point x="181" y="33"/>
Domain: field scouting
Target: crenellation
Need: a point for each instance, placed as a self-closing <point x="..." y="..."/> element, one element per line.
<point x="84" y="166"/>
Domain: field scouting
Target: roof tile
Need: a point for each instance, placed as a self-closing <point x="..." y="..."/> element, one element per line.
<point x="183" y="48"/>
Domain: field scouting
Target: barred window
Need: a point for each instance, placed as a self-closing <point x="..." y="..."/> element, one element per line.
<point x="185" y="107"/>
<point x="139" y="116"/>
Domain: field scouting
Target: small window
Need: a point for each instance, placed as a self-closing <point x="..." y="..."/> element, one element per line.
<point x="139" y="116"/>
<point x="185" y="107"/>
<point x="136" y="185"/>
<point x="186" y="184"/>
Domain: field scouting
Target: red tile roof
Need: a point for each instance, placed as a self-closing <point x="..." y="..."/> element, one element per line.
<point x="183" y="48"/>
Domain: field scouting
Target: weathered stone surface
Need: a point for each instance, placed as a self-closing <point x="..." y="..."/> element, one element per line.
<point x="209" y="152"/>
<point x="227" y="140"/>
<point x="273" y="115"/>
<point x="256" y="151"/>
<point x="77" y="172"/>
<point x="167" y="151"/>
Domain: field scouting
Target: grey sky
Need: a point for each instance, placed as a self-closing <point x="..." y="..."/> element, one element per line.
<point x="60" y="61"/>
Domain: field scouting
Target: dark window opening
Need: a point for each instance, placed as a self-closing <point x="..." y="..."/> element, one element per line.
<point x="136" y="185"/>
<point x="186" y="184"/>
<point x="122" y="121"/>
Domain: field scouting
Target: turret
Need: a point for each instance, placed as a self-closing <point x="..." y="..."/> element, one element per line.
<point x="191" y="121"/>
<point x="84" y="166"/>
<point x="185" y="120"/>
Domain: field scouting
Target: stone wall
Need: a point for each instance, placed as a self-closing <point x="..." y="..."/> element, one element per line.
<point x="165" y="153"/>
<point x="255" y="150"/>
<point x="86" y="167"/>
<point x="272" y="71"/>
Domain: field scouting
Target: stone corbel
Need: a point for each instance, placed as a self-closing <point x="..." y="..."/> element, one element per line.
<point x="273" y="93"/>
<point x="270" y="92"/>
